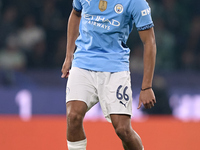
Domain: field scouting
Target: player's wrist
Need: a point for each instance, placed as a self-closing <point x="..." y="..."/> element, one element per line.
<point x="147" y="88"/>
<point x="69" y="58"/>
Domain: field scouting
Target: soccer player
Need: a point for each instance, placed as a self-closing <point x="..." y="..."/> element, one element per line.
<point x="99" y="29"/>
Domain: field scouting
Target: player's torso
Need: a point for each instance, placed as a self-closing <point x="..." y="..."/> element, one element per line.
<point x="104" y="29"/>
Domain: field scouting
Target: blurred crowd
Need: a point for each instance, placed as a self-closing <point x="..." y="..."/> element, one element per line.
<point x="33" y="34"/>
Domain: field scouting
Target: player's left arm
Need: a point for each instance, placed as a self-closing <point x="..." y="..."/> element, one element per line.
<point x="147" y="97"/>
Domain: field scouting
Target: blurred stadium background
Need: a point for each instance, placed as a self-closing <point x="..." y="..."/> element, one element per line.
<point x="32" y="94"/>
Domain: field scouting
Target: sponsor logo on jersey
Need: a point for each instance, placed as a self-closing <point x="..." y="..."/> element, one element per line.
<point x="146" y="12"/>
<point x="100" y="21"/>
<point x="118" y="8"/>
<point x="101" y="25"/>
<point x="102" y="5"/>
<point x="88" y="1"/>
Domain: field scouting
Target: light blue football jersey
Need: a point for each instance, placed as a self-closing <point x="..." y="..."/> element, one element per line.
<point x="104" y="30"/>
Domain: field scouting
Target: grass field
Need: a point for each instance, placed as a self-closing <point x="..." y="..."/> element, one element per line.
<point x="48" y="133"/>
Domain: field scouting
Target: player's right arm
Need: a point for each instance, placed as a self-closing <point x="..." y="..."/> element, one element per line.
<point x="72" y="34"/>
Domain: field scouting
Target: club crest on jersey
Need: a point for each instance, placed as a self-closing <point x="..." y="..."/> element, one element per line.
<point x="102" y="5"/>
<point x="118" y="8"/>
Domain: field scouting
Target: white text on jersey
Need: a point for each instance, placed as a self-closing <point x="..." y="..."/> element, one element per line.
<point x="101" y="21"/>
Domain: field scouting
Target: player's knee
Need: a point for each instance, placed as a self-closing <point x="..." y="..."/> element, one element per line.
<point x="123" y="132"/>
<point x="126" y="134"/>
<point x="74" y="119"/>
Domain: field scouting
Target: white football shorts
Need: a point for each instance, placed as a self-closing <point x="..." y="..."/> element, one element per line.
<point x="112" y="90"/>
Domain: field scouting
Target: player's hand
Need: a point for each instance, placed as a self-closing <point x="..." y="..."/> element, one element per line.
<point x="65" y="68"/>
<point x="147" y="98"/>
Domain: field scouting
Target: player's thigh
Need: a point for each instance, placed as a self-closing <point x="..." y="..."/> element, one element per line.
<point x="116" y="96"/>
<point x="80" y="87"/>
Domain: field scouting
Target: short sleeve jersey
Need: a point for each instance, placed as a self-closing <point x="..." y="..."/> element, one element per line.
<point x="104" y="29"/>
